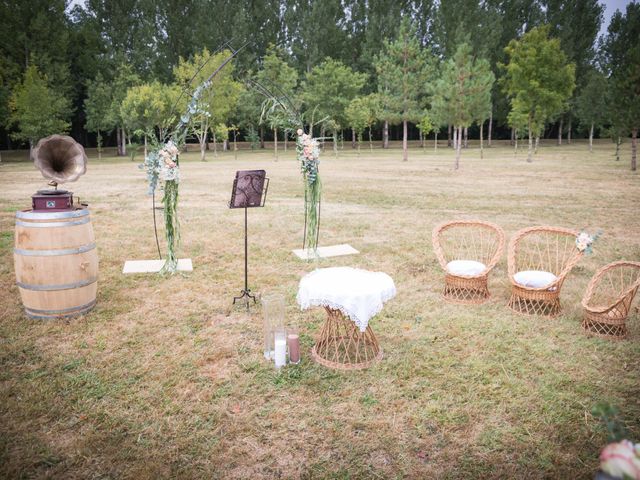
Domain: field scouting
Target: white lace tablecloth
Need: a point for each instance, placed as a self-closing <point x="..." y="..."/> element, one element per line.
<point x="358" y="294"/>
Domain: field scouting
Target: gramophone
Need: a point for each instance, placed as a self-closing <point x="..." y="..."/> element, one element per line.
<point x="60" y="159"/>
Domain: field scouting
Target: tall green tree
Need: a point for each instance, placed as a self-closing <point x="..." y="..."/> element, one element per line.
<point x="403" y="69"/>
<point x="462" y="92"/>
<point x="97" y="106"/>
<point x="362" y="113"/>
<point x="327" y="91"/>
<point x="538" y="80"/>
<point x="219" y="97"/>
<point x="277" y="75"/>
<point x="36" y="110"/>
<point x="592" y="103"/>
<point x="125" y="78"/>
<point x="622" y="59"/>
<point x="576" y="24"/>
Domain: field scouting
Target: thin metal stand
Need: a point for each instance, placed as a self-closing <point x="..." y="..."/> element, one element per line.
<point x="246" y="292"/>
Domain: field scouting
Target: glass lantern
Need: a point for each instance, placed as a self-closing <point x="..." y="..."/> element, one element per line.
<point x="273" y="319"/>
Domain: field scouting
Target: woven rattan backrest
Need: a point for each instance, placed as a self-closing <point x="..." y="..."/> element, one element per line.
<point x="551" y="249"/>
<point x="612" y="283"/>
<point x="468" y="240"/>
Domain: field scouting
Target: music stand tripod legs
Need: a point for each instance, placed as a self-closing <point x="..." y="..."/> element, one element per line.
<point x="246" y="292"/>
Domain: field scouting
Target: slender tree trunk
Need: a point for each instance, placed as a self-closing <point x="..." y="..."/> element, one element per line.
<point x="560" y="131"/>
<point x="482" y="140"/>
<point x="124" y="142"/>
<point x="119" y="142"/>
<point x="449" y="136"/>
<point x="514" y="139"/>
<point x="359" y="141"/>
<point x="535" y="149"/>
<point x="341" y="140"/>
<point x="275" y="143"/>
<point x="513" y="136"/>
<point x="458" y="146"/>
<point x="385" y="134"/>
<point x="618" y="141"/>
<point x="203" y="147"/>
<point x="421" y="139"/>
<point x="235" y="144"/>
<point x="591" y="138"/>
<point x="99" y="146"/>
<point x="335" y="143"/>
<point x="215" y="146"/>
<point x="530" y="152"/>
<point x="405" y="134"/>
<point x="353" y="139"/>
<point x="569" y="132"/>
<point x="286" y="137"/>
<point x="466" y="137"/>
<point x="370" y="141"/>
<point x="261" y="136"/>
<point x="634" y="148"/>
<point x="225" y="145"/>
<point x="435" y="142"/>
<point x="490" y="129"/>
<point x="454" y="143"/>
<point x="322" y="135"/>
<point x="145" y="145"/>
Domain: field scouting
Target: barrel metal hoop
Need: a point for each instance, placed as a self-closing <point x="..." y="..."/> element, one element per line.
<point x="51" y="253"/>
<point x="65" y="286"/>
<point x="30" y="215"/>
<point x="52" y="224"/>
<point x="80" y="311"/>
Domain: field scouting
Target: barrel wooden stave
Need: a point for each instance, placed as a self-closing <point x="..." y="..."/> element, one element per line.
<point x="56" y="263"/>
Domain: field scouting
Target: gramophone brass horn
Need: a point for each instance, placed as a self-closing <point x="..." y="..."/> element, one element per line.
<point x="60" y="158"/>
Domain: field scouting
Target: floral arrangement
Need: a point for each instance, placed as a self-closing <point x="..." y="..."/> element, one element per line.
<point x="308" y="152"/>
<point x="584" y="241"/>
<point x="161" y="163"/>
<point x="621" y="460"/>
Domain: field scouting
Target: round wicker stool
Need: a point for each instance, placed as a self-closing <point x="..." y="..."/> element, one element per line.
<point x="343" y="346"/>
<point x="351" y="297"/>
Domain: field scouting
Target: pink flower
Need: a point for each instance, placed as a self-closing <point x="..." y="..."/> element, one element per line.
<point x="299" y="132"/>
<point x="304" y="137"/>
<point x="620" y="460"/>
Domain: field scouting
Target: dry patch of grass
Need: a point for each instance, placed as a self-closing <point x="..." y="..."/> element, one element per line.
<point x="164" y="379"/>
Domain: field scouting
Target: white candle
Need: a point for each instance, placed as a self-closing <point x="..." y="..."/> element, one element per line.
<point x="280" y="351"/>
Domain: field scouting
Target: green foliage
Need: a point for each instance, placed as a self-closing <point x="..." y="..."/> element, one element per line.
<point x="97" y="106"/>
<point x="147" y="107"/>
<point x="622" y="59"/>
<point x="404" y="69"/>
<point x="609" y="415"/>
<point x="219" y="99"/>
<point x="362" y="113"/>
<point x="463" y="91"/>
<point x="538" y="79"/>
<point x="328" y="90"/>
<point x="591" y="103"/>
<point x="425" y="125"/>
<point x="36" y="110"/>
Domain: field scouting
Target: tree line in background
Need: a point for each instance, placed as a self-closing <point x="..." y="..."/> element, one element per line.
<point x="109" y="71"/>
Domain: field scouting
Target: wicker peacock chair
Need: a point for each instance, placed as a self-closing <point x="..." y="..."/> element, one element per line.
<point x="467" y="251"/>
<point x="539" y="260"/>
<point x="608" y="299"/>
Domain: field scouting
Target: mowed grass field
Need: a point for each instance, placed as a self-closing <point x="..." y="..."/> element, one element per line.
<point x="163" y="379"/>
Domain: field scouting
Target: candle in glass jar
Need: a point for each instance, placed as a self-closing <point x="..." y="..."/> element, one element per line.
<point x="294" y="347"/>
<point x="280" y="350"/>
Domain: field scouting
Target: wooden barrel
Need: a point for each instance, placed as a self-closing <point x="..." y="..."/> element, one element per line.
<point x="56" y="263"/>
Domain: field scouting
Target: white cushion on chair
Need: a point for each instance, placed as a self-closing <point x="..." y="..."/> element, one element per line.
<point x="465" y="267"/>
<point x="534" y="278"/>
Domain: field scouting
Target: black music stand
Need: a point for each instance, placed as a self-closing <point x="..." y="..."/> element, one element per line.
<point x="249" y="191"/>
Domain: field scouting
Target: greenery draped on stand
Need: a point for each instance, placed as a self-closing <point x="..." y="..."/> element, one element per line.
<point x="308" y="152"/>
<point x="162" y="163"/>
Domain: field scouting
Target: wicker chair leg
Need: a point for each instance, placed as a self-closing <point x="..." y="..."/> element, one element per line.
<point x="468" y="291"/>
<point x="545" y="307"/>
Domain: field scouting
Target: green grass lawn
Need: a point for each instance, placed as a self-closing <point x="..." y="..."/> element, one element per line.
<point x="164" y="379"/>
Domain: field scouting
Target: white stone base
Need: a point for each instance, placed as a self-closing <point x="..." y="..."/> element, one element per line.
<point x="324" y="252"/>
<point x="154" y="266"/>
